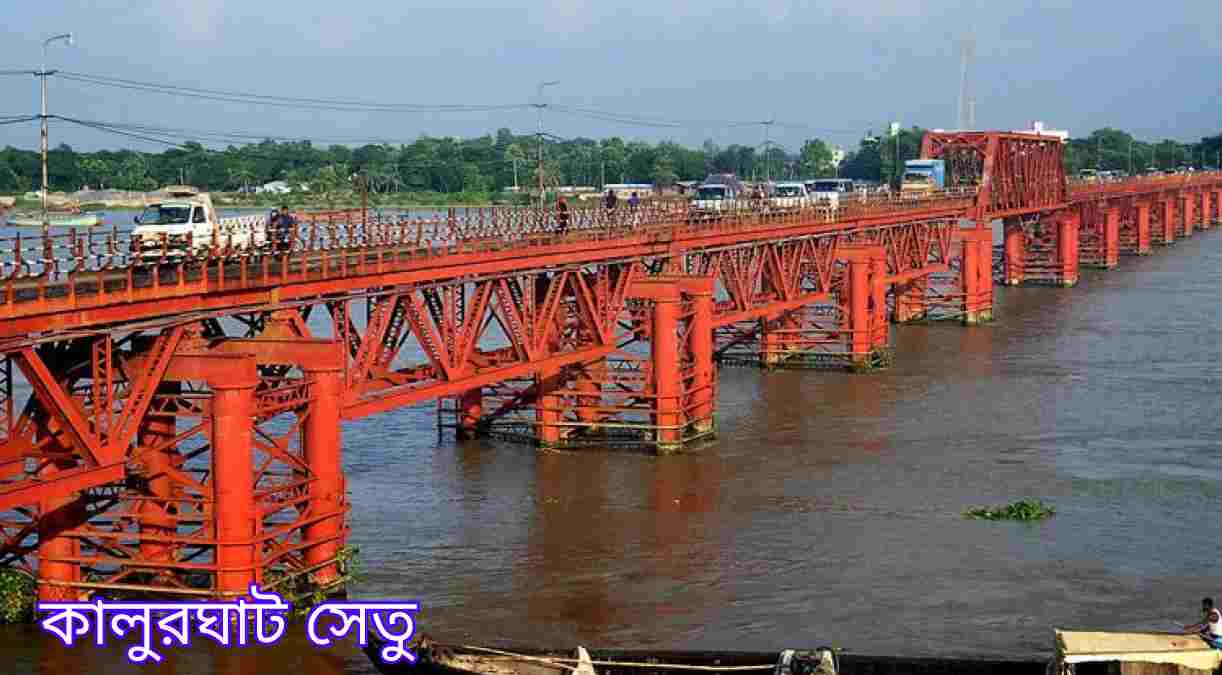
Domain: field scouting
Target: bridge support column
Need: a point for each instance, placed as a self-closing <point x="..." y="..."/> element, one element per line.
<point x="977" y="276"/>
<point x="56" y="550"/>
<point x="1188" y="214"/>
<point x="323" y="448"/>
<point x="1206" y="211"/>
<point x="234" y="513"/>
<point x="588" y="386"/>
<point x="910" y="300"/>
<point x="666" y="376"/>
<point x="1217" y="201"/>
<point x="1168" y="234"/>
<point x="1016" y="253"/>
<point x="157" y="515"/>
<point x="1067" y="246"/>
<point x="1143" y="229"/>
<point x="1111" y="238"/>
<point x="470" y="410"/>
<point x="859" y="311"/>
<point x="772" y="341"/>
<point x="548" y="413"/>
<point x="704" y="377"/>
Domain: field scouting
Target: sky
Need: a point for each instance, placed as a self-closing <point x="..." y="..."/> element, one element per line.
<point x="832" y="69"/>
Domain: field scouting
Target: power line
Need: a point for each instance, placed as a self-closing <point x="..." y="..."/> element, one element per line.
<point x="279" y="101"/>
<point x="249" y="150"/>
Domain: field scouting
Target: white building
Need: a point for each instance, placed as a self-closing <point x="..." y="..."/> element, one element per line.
<point x="280" y="187"/>
<point x="1038" y="129"/>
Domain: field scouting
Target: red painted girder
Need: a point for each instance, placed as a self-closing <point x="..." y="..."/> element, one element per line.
<point x="61" y="484"/>
<point x="905" y="277"/>
<point x="60" y="406"/>
<point x="28" y="317"/>
<point x="373" y="402"/>
<point x="720" y="320"/>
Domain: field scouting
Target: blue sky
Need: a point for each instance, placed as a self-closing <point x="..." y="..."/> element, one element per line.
<point x="838" y="65"/>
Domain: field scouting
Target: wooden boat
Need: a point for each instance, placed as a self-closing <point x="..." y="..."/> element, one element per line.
<point x="85" y="220"/>
<point x="1092" y="653"/>
<point x="438" y="659"/>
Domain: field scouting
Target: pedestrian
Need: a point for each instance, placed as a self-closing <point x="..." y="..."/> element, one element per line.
<point x="634" y="201"/>
<point x="562" y="216"/>
<point x="610" y="200"/>
<point x="284" y="230"/>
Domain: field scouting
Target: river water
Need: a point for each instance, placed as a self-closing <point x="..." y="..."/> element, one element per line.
<point x="829" y="510"/>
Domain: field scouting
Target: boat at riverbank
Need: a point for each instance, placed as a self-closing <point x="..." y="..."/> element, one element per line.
<point x="72" y="220"/>
<point x="1075" y="653"/>
<point x="438" y="659"/>
<point x="1091" y="653"/>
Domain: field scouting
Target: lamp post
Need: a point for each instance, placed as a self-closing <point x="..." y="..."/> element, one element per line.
<point x="540" y="105"/>
<point x="42" y="74"/>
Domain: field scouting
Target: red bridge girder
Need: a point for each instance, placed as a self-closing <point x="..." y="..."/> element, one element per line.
<point x="182" y="433"/>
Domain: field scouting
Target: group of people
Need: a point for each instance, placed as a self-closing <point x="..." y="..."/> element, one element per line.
<point x="610" y="202"/>
<point x="281" y="227"/>
<point x="1210" y="626"/>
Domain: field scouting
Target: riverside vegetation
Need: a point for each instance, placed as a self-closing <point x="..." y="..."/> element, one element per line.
<point x="476" y="170"/>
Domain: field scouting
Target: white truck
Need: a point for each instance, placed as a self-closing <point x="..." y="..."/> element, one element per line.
<point x="789" y="197"/>
<point x="185" y="225"/>
<point x="718" y="194"/>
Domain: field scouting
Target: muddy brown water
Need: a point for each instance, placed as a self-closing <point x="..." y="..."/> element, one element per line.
<point x="828" y="512"/>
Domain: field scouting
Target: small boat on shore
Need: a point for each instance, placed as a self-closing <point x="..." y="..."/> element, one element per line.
<point x="1076" y="653"/>
<point x="1099" y="653"/>
<point x="439" y="659"/>
<point x="74" y="220"/>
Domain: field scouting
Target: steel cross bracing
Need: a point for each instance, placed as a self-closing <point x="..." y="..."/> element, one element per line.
<point x="174" y="426"/>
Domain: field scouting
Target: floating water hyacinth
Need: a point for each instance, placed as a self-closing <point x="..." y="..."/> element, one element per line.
<point x="1024" y="509"/>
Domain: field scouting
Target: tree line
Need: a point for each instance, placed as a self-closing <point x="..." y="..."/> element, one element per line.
<point x="493" y="162"/>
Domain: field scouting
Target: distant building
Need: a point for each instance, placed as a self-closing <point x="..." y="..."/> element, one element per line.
<point x="1038" y="129"/>
<point x="276" y="187"/>
<point x="625" y="190"/>
<point x="280" y="187"/>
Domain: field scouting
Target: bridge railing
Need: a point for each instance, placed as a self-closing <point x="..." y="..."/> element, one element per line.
<point x="59" y="256"/>
<point x="1079" y="189"/>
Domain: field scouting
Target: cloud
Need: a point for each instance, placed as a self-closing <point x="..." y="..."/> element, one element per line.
<point x="201" y="19"/>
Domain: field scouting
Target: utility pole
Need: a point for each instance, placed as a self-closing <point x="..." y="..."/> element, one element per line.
<point x="46" y="224"/>
<point x="767" y="147"/>
<point x="1130" y="155"/>
<point x="540" y="105"/>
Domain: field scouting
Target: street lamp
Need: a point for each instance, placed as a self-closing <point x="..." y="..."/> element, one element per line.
<point x="66" y="37"/>
<point x="540" y="105"/>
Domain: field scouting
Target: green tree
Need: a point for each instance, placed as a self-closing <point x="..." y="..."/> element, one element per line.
<point x="664" y="172"/>
<point x="815" y="159"/>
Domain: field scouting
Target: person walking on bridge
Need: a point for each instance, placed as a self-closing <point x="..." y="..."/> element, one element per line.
<point x="283" y="228"/>
<point x="562" y="216"/>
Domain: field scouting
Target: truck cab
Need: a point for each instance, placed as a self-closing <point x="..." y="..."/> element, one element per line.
<point x="923" y="177"/>
<point x="185" y="225"/>
<point x="789" y="196"/>
<point x="718" y="194"/>
<point x="830" y="191"/>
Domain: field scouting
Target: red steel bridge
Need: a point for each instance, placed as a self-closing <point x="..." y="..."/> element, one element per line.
<point x="175" y="428"/>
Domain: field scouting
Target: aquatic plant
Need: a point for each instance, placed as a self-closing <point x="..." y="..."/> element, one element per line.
<point x="16" y="595"/>
<point x="1023" y="509"/>
<point x="305" y="592"/>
